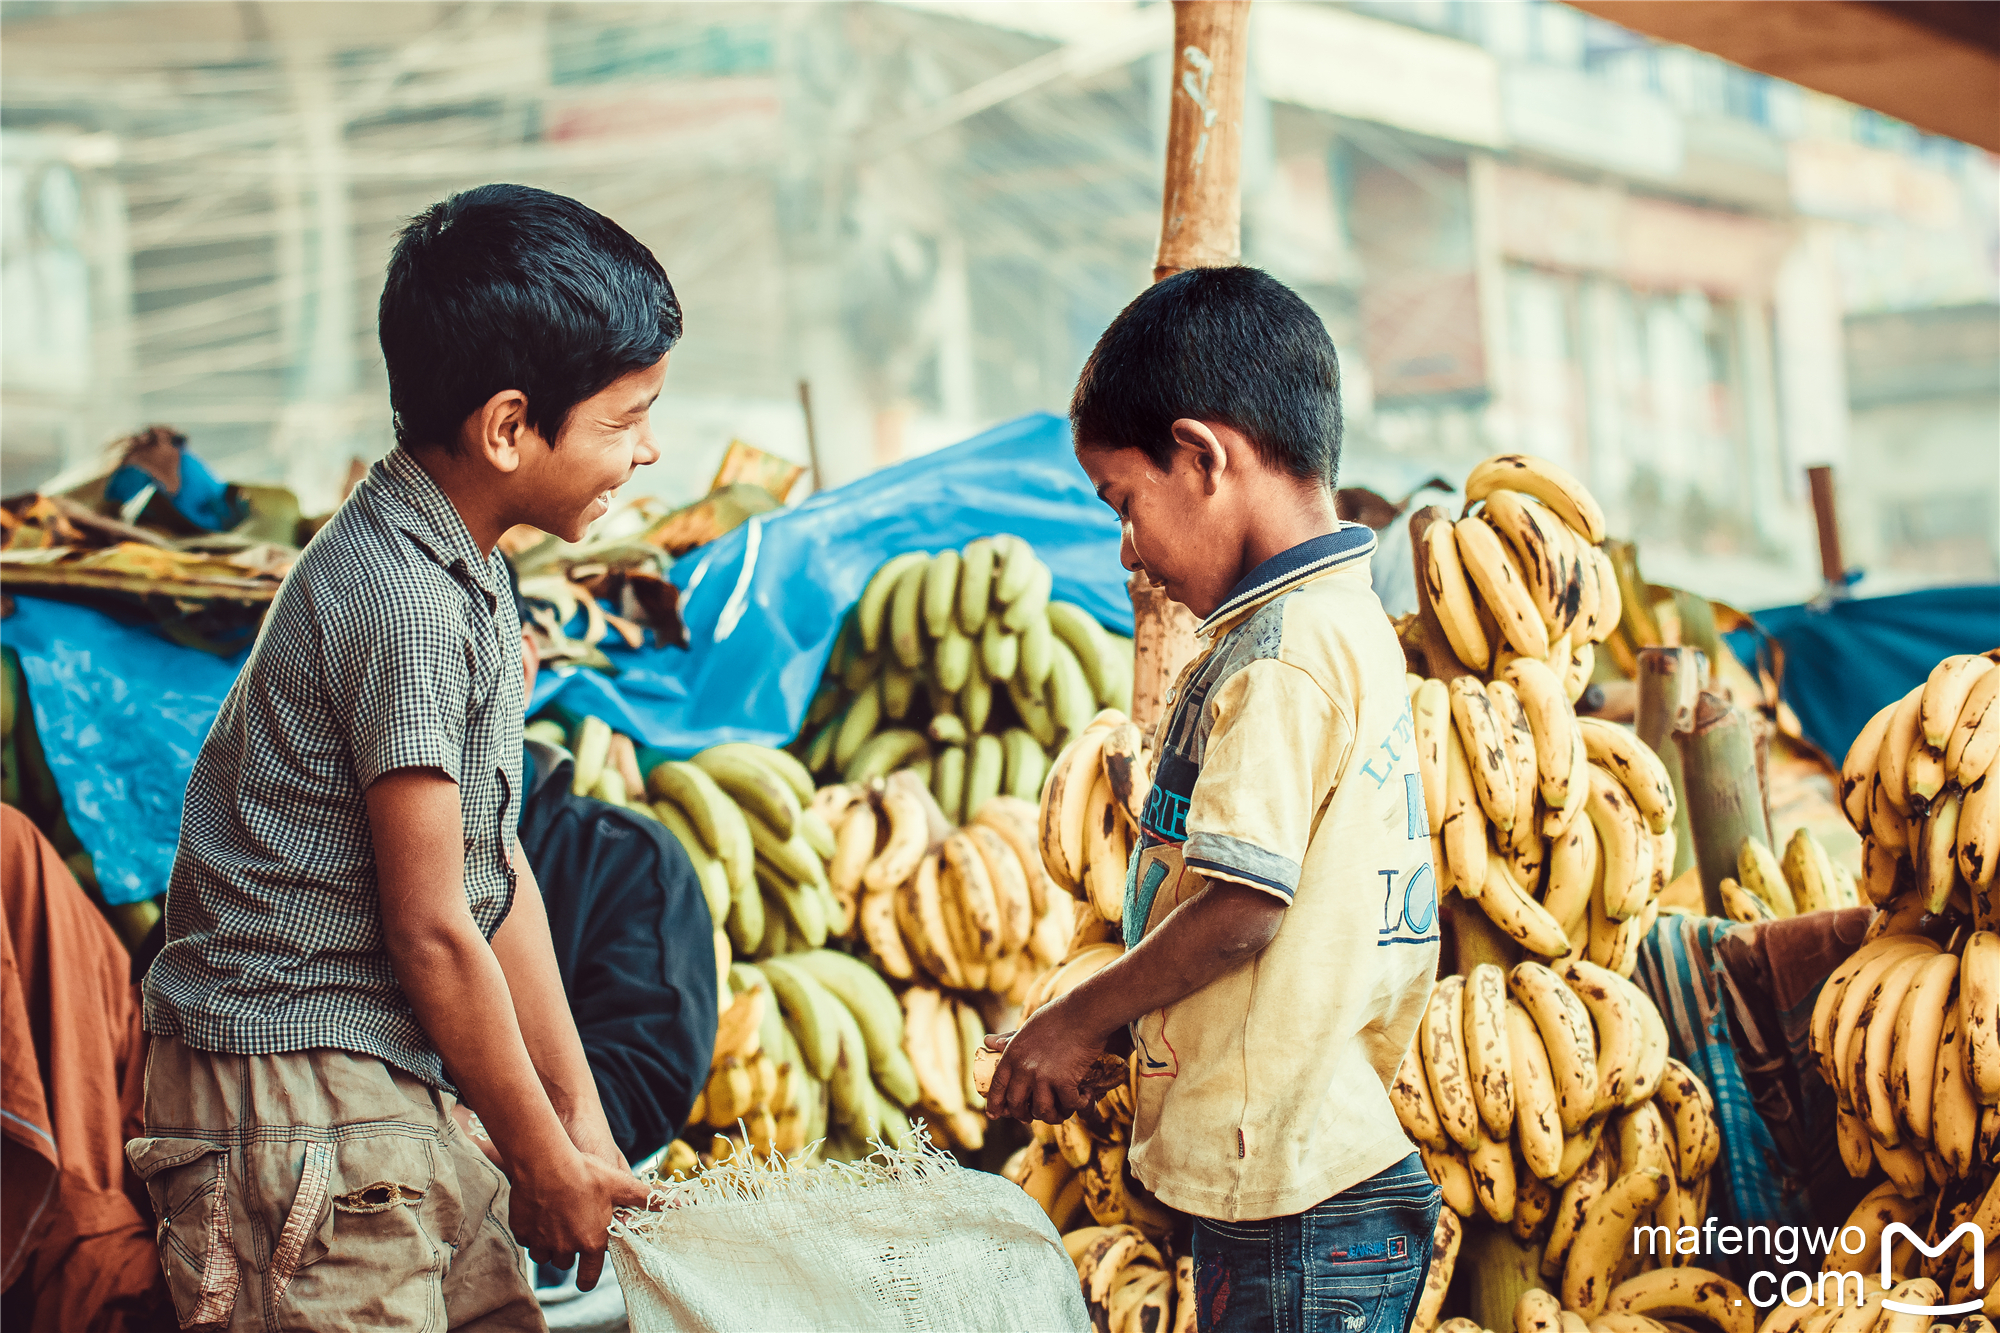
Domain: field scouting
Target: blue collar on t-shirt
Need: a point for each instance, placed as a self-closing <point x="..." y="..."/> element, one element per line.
<point x="1344" y="545"/>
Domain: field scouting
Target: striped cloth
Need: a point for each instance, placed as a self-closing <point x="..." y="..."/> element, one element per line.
<point x="1681" y="970"/>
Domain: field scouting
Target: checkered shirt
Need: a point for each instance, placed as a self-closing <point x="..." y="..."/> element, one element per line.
<point x="393" y="644"/>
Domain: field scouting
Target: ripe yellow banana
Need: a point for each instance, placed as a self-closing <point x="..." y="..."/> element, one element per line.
<point x="1759" y="873"/>
<point x="1448" y="1170"/>
<point x="1502" y="587"/>
<point x="1809" y="873"/>
<point x="1463" y="828"/>
<point x="1583" y="1189"/>
<point x="1445" y="1241"/>
<point x="875" y="915"/>
<point x="1546" y="482"/>
<point x="1978" y="850"/>
<point x="1431" y="711"/>
<point x="1534" y="1199"/>
<point x="1124" y="762"/>
<point x="1410" y="1094"/>
<point x="1611" y="608"/>
<point x="1979" y="1014"/>
<point x="1574" y="863"/>
<point x="1488" y="1064"/>
<point x="1975" y="737"/>
<point x="978" y="903"/>
<point x="1106" y="853"/>
<point x="1013" y="907"/>
<point x="1857" y="771"/>
<point x="1914" y="1045"/>
<point x="1685" y="1293"/>
<point x="1935" y="854"/>
<point x="1577" y="1149"/>
<point x="1629" y="759"/>
<point x="1628" y="856"/>
<point x="1537" y="1122"/>
<point x="1617" y="1026"/>
<point x="1537" y="1311"/>
<point x="1512" y="908"/>
<point x="1944" y="695"/>
<point x="1453" y="599"/>
<point x="1697" y="1136"/>
<point x="1491" y="1163"/>
<point x="1903" y="736"/>
<point x="1014" y="820"/>
<point x="1480" y="731"/>
<point x="1524" y="836"/>
<point x="908" y="839"/>
<point x="1535" y="537"/>
<point x="1442" y="1037"/>
<point x="920" y="914"/>
<point x="1554" y="724"/>
<point x="1605" y="1238"/>
<point x="1854" y="1001"/>
<point x="1566" y="1034"/>
<point x="1065" y="804"/>
<point x="1924" y="774"/>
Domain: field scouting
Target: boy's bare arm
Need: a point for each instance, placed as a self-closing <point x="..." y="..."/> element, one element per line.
<point x="1219" y="929"/>
<point x="562" y="1198"/>
<point x="548" y="1029"/>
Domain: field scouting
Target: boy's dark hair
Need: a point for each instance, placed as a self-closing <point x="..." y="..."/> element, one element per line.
<point x="1228" y="345"/>
<point x="510" y="287"/>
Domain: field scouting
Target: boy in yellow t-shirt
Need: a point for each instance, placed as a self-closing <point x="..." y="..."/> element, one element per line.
<point x="1280" y="910"/>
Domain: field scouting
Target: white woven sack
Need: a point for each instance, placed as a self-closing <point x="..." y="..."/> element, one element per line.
<point x="904" y="1240"/>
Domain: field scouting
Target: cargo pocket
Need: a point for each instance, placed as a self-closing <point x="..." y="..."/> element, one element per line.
<point x="188" y="1182"/>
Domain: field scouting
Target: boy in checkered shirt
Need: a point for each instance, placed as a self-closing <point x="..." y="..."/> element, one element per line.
<point x="354" y="940"/>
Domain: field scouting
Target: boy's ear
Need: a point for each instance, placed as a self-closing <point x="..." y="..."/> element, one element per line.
<point x="498" y="430"/>
<point x="1207" y="451"/>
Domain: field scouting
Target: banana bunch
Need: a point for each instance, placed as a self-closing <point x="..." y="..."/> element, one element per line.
<point x="1907" y="1033"/>
<point x="957" y="664"/>
<point x="1561" y="828"/>
<point x="757" y="834"/>
<point x="751" y="1083"/>
<point x="1091" y="805"/>
<point x="968" y="909"/>
<point x="1768" y="889"/>
<point x="940" y="1034"/>
<point x="1130" y="1282"/>
<point x="1921" y="784"/>
<point x="1945" y="1278"/>
<point x="1526" y="575"/>
<point x="1659" y="1301"/>
<point x="1545" y="1100"/>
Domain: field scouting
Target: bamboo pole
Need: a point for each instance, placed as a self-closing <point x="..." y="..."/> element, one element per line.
<point x="1669" y="684"/>
<point x="1201" y="223"/>
<point x="1725" y="803"/>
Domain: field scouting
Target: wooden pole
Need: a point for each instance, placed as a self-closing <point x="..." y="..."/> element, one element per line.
<point x="1725" y="803"/>
<point x="1827" y="519"/>
<point x="1497" y="1268"/>
<point x="1670" y="681"/>
<point x="812" y="435"/>
<point x="1201" y="224"/>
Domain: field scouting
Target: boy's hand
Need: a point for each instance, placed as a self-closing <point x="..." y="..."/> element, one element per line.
<point x="1043" y="1066"/>
<point x="564" y="1213"/>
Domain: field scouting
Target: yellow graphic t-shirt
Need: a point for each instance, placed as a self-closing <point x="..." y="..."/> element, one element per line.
<point x="1287" y="762"/>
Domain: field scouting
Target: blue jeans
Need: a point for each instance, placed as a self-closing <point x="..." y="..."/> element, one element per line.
<point x="1354" y="1264"/>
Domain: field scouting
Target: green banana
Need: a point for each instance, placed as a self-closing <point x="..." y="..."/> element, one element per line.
<point x="817" y="832"/>
<point x="876" y="1012"/>
<point x="827" y="702"/>
<point x="860" y="673"/>
<point x="951" y="660"/>
<point x="1017" y="569"/>
<point x="800" y="903"/>
<point x="810" y="1012"/>
<point x="898" y="691"/>
<point x="905" y="616"/>
<point x="999" y="650"/>
<point x="897" y="1131"/>
<point x="1037" y="653"/>
<point x="948" y="729"/>
<point x="883" y="753"/>
<point x="975" y="585"/>
<point x="789" y="769"/>
<point x="863" y="715"/>
<point x="714" y="879"/>
<point x="1033" y="602"/>
<point x="856" y="1104"/>
<point x="548" y="731"/>
<point x="1070" y="697"/>
<point x="819" y="754"/>
<point x="593" y="747"/>
<point x="745" y="924"/>
<point x="975" y="702"/>
<point x="982" y="775"/>
<point x="1080" y="630"/>
<point x="940" y="592"/>
<point x="948" y="784"/>
<point x="1035" y="715"/>
<point x="1027" y="763"/>
<point x="875" y="597"/>
<point x="718" y="820"/>
<point x="754" y="787"/>
<point x="793" y="857"/>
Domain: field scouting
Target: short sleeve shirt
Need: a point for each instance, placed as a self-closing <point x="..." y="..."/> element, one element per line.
<point x="1286" y="762"/>
<point x="392" y="644"/>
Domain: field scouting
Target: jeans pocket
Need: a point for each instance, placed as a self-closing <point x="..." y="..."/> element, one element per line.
<point x="1360" y="1305"/>
<point x="188" y="1181"/>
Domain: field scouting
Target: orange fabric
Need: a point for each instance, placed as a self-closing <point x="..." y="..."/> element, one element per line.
<point x="72" y="1069"/>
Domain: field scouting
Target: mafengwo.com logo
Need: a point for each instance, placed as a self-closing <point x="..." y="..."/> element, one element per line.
<point x="1798" y="1288"/>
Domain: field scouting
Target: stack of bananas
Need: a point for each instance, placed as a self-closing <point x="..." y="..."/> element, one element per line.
<point x="1908" y="1034"/>
<point x="1561" y="828"/>
<point x="1921" y="784"/>
<point x="1652" y="1302"/>
<point x="751" y="1077"/>
<point x="1546" y="1101"/>
<point x="959" y="666"/>
<point x="1525" y="576"/>
<point x="1767" y="889"/>
<point x="1129" y="1284"/>
<point x="1944" y="1278"/>
<point x="940" y="1034"/>
<point x="1091" y="805"/>
<point x="971" y="912"/>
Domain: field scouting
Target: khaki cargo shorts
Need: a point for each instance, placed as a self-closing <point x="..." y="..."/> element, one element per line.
<point x="322" y="1189"/>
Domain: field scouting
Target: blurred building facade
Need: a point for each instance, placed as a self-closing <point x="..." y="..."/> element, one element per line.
<point x="1526" y="228"/>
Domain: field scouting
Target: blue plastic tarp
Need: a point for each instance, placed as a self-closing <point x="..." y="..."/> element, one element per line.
<point x="1848" y="659"/>
<point x="122" y="712"/>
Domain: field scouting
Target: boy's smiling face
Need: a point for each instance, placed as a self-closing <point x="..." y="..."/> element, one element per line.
<point x="608" y="437"/>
